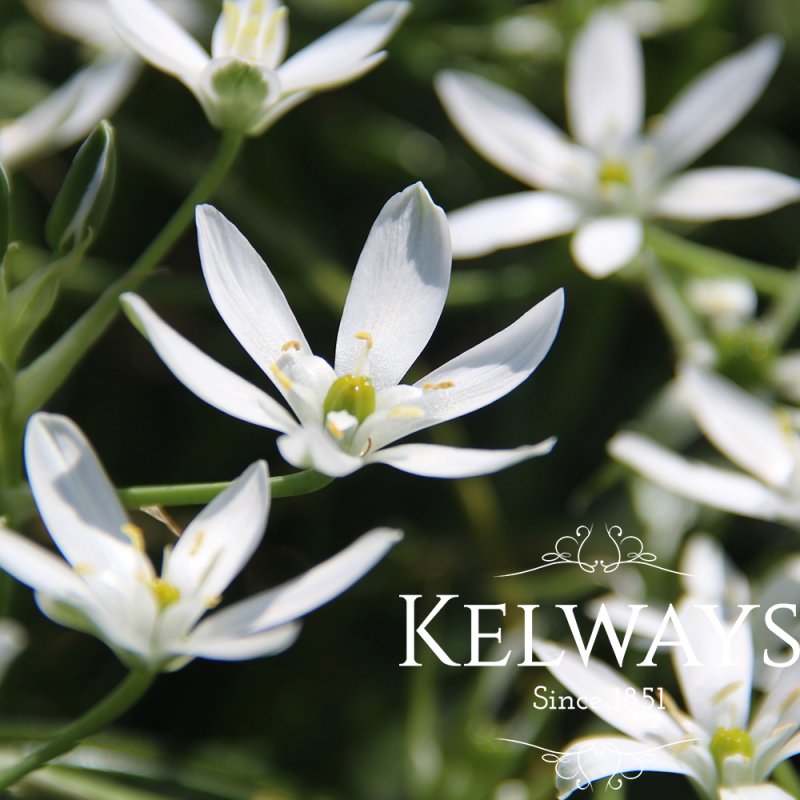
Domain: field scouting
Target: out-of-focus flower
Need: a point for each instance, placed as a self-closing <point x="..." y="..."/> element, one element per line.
<point x="245" y="85"/>
<point x="725" y="302"/>
<point x="69" y="113"/>
<point x="349" y="413"/>
<point x="12" y="642"/>
<point x="760" y="440"/>
<point x="106" y="585"/>
<point x="723" y="749"/>
<point x="612" y="177"/>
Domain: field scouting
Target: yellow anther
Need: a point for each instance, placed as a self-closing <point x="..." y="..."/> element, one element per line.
<point x="134" y="533"/>
<point x="84" y="569"/>
<point x="213" y="602"/>
<point x="791" y="699"/>
<point x="166" y="594"/>
<point x="281" y="377"/>
<point x="197" y="543"/>
<point x="292" y="344"/>
<point x="335" y="430"/>
<point x="436" y="386"/>
<point x="365" y="337"/>
<point x="406" y="412"/>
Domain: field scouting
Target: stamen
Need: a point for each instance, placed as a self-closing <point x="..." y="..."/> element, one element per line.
<point x="292" y="344"/>
<point x="406" y="412"/>
<point x="166" y="594"/>
<point x="213" y="602"/>
<point x="367" y="447"/>
<point x="436" y="386"/>
<point x="84" y="569"/>
<point x="726" y="691"/>
<point x="334" y="429"/>
<point x="281" y="377"/>
<point x="365" y="337"/>
<point x="134" y="533"/>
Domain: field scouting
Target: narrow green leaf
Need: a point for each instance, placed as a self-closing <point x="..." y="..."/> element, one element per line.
<point x="85" y="196"/>
<point x="5" y="212"/>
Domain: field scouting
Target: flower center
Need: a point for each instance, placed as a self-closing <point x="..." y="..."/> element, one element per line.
<point x="614" y="172"/>
<point x="353" y="394"/>
<point x="730" y="742"/>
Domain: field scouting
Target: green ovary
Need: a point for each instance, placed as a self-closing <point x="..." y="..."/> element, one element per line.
<point x="730" y="742"/>
<point x="353" y="394"/>
<point x="614" y="172"/>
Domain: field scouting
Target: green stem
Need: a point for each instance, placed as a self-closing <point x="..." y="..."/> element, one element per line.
<point x="105" y="712"/>
<point x="708" y="262"/>
<point x="682" y="327"/>
<point x="786" y="776"/>
<point x="18" y="503"/>
<point x="37" y="382"/>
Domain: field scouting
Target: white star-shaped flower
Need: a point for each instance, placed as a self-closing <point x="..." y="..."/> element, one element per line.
<point x="613" y="176"/>
<point x="244" y="84"/>
<point x="727" y="752"/>
<point x="346" y="415"/>
<point x="106" y="585"/>
<point x="759" y="439"/>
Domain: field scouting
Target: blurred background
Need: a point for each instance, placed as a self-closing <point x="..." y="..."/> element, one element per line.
<point x="335" y="717"/>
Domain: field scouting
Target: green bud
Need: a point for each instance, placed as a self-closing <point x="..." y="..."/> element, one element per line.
<point x="85" y="196"/>
<point x="353" y="394"/>
<point x="730" y="742"/>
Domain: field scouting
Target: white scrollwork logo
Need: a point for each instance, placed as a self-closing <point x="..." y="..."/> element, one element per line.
<point x="625" y="550"/>
<point x="577" y="766"/>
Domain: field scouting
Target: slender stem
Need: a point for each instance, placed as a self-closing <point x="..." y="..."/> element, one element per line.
<point x="708" y="262"/>
<point x="37" y="382"/>
<point x="105" y="712"/>
<point x="18" y="503"/>
<point x="681" y="326"/>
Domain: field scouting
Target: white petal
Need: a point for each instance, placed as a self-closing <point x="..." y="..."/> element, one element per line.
<point x="209" y="380"/>
<point x="398" y="289"/>
<point x="605" y="244"/>
<point x="515" y="219"/>
<point x="484" y="373"/>
<point x="791" y="749"/>
<point x="719" y="488"/>
<point x="512" y="134"/>
<point x="69" y="112"/>
<point x="221" y="539"/>
<point x="587" y="760"/>
<point x="717" y="691"/>
<point x="107" y="81"/>
<point x="84" y="20"/>
<point x="266" y="643"/>
<point x="244" y="291"/>
<point x="439" y="461"/>
<point x="762" y="791"/>
<point x="604" y="83"/>
<point x="302" y="595"/>
<point x="157" y="38"/>
<point x="312" y="447"/>
<point x="345" y="52"/>
<point x="38" y="568"/>
<point x="76" y="499"/>
<point x="713" y="103"/>
<point x="637" y="718"/>
<point x="266" y="44"/>
<point x="744" y="428"/>
<point x="725" y="193"/>
<point x="712" y="577"/>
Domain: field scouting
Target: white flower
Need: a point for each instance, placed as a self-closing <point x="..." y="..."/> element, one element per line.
<point x="245" y="84"/>
<point x="89" y="21"/>
<point x="725" y="751"/>
<point x="12" y="642"/>
<point x="757" y="438"/>
<point x="69" y="113"/>
<point x="107" y="586"/>
<point x="614" y="176"/>
<point x="349" y="413"/>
